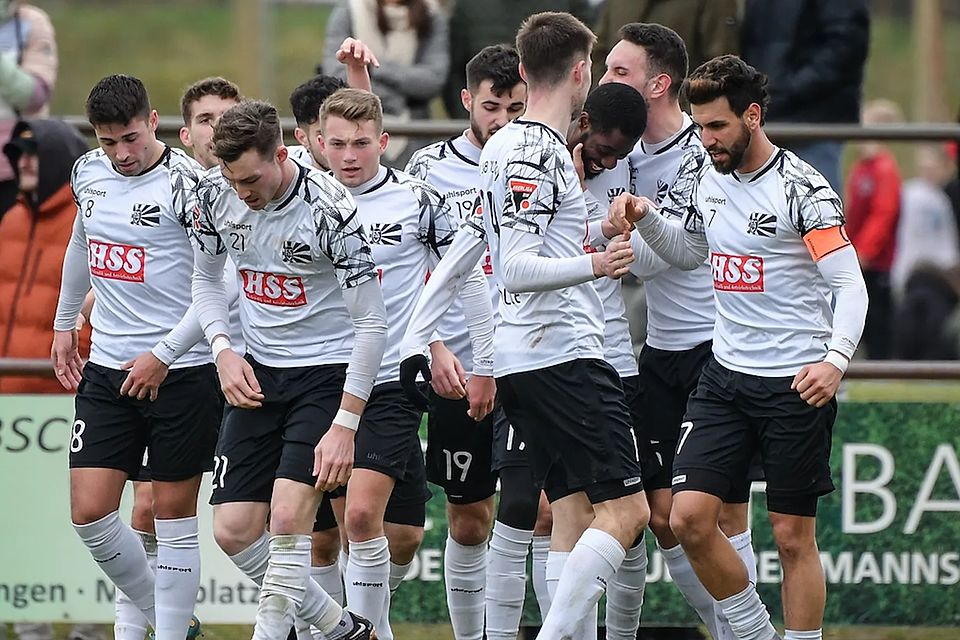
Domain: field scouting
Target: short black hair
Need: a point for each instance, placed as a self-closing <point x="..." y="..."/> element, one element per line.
<point x="213" y="86"/>
<point x="117" y="99"/>
<point x="306" y="100"/>
<point x="666" y="52"/>
<point x="731" y="78"/>
<point x="615" y="106"/>
<point x="498" y="63"/>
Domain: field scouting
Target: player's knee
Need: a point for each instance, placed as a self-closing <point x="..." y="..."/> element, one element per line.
<point x="233" y="535"/>
<point x="175" y="499"/>
<point x="469" y="527"/>
<point x="660" y="524"/>
<point x="518" y="509"/>
<point x="544" y="522"/>
<point x="325" y="549"/>
<point x="795" y="538"/>
<point x="363" y="522"/>
<point x="690" y="524"/>
<point x="404" y="542"/>
<point x="86" y="513"/>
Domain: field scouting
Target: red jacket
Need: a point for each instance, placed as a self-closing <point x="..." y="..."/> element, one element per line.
<point x="872" y="210"/>
<point x="32" y="245"/>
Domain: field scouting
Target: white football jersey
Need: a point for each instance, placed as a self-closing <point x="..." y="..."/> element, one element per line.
<point x="302" y="155"/>
<point x="774" y="310"/>
<point x="452" y="167"/>
<point x="530" y="186"/>
<point x="617" y="344"/>
<point x="409" y="226"/>
<point x="293" y="258"/>
<point x="137" y="233"/>
<point x="680" y="306"/>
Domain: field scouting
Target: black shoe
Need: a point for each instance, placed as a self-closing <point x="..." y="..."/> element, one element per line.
<point x="362" y="628"/>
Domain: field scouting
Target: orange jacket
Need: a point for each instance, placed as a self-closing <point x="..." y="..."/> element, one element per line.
<point x="32" y="245"/>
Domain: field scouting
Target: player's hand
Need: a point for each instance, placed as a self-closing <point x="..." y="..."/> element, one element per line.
<point x="333" y="458"/>
<point x="627" y="209"/>
<point x="65" y="355"/>
<point x="146" y="375"/>
<point x="449" y="380"/>
<point x="481" y="392"/>
<point x="817" y="383"/>
<point x="578" y="165"/>
<point x="614" y="261"/>
<point x="353" y="52"/>
<point x="409" y="368"/>
<point x="237" y="380"/>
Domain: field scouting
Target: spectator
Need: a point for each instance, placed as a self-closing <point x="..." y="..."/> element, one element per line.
<point x="709" y="28"/>
<point x="28" y="71"/>
<point x="410" y="40"/>
<point x="925" y="315"/>
<point x="927" y="232"/>
<point x="474" y="24"/>
<point x="813" y="52"/>
<point x="872" y="210"/>
<point x="33" y="238"/>
<point x="953" y="187"/>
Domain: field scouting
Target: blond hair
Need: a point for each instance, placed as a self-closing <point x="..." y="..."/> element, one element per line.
<point x="353" y="105"/>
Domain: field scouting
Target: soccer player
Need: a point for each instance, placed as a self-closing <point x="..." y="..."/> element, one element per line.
<point x="131" y="244"/>
<point x="601" y="137"/>
<point x="314" y="325"/>
<point x="410" y="226"/>
<point x="791" y="304"/>
<point x="460" y="450"/>
<point x="680" y="311"/>
<point x="201" y="106"/>
<point x="556" y="390"/>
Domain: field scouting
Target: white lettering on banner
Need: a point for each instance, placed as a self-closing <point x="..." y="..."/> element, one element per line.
<point x="945" y="455"/>
<point x="875" y="486"/>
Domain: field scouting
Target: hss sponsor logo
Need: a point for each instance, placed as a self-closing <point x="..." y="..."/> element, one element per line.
<point x="117" y="261"/>
<point x="273" y="289"/>
<point x="737" y="273"/>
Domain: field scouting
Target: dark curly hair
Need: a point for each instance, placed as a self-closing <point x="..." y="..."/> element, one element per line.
<point x="731" y="78"/>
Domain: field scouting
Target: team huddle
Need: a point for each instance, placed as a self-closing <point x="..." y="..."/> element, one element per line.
<point x="280" y="311"/>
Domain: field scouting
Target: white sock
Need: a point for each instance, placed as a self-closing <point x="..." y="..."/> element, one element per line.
<point x="815" y="634"/>
<point x="397" y="573"/>
<point x="552" y="572"/>
<point x="330" y="580"/>
<point x="743" y="543"/>
<point x="625" y="594"/>
<point x="344" y="558"/>
<point x="119" y="553"/>
<point x="319" y="609"/>
<point x="367" y="577"/>
<point x="593" y="561"/>
<point x="129" y="623"/>
<point x="587" y="627"/>
<point x="178" y="575"/>
<point x="464" y="575"/>
<point x="690" y="586"/>
<point x="748" y="617"/>
<point x="284" y="586"/>
<point x="506" y="580"/>
<point x="541" y="548"/>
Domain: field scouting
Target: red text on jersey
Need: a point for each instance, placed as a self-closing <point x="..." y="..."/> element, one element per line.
<point x="272" y="288"/>
<point x="117" y="261"/>
<point x="737" y="273"/>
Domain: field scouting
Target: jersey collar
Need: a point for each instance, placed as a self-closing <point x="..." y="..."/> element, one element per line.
<point x="753" y="176"/>
<point x="534" y="123"/>
<point x="656" y="148"/>
<point x="284" y="200"/>
<point x="374" y="183"/>
<point x="464" y="149"/>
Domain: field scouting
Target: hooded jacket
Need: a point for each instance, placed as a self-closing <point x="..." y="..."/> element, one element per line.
<point x="33" y="239"/>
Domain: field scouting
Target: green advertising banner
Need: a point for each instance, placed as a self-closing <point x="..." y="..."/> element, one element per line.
<point x="889" y="536"/>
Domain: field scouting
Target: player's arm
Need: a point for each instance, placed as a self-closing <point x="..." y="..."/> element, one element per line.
<point x="342" y="240"/>
<point x="477" y="310"/>
<point x="445" y="282"/>
<point x="74" y="285"/>
<point x="357" y="57"/>
<point x="820" y="224"/>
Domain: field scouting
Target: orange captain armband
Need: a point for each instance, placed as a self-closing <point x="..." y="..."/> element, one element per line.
<point x="822" y="242"/>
